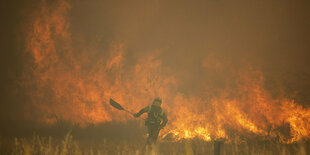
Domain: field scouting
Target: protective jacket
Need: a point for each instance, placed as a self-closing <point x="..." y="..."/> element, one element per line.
<point x="156" y="115"/>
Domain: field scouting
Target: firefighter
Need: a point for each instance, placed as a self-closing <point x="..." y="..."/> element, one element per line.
<point x="157" y="119"/>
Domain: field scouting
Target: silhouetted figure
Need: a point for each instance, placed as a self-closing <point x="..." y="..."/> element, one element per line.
<point x="156" y="120"/>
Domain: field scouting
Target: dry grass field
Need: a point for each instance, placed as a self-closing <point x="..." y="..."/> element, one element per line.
<point x="69" y="145"/>
<point x="129" y="138"/>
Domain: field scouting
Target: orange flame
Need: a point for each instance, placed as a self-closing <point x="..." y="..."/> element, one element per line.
<point x="75" y="83"/>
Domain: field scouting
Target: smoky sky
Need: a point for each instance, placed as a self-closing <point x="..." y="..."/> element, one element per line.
<point x="270" y="35"/>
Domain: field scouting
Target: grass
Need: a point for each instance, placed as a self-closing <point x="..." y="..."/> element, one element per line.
<point x="128" y="139"/>
<point x="68" y="145"/>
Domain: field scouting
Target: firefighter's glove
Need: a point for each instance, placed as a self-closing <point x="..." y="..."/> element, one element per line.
<point x="161" y="127"/>
<point x="135" y="115"/>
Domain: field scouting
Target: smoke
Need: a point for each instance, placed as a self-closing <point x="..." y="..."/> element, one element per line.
<point x="223" y="69"/>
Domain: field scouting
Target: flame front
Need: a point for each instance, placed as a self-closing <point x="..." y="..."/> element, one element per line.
<point x="72" y="80"/>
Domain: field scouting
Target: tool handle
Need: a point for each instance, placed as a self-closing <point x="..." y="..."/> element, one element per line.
<point x="133" y="114"/>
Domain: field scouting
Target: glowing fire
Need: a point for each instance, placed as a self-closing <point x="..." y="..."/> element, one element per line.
<point x="75" y="83"/>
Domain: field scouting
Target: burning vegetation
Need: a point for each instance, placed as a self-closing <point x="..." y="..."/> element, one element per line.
<point x="68" y="78"/>
<point x="75" y="83"/>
